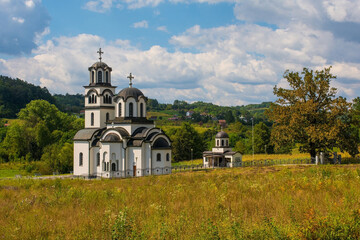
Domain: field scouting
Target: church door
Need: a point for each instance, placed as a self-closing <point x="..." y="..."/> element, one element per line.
<point x="134" y="174"/>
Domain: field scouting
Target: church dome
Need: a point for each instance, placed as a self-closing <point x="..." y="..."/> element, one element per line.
<point x="100" y="65"/>
<point x="130" y="92"/>
<point x="222" y="134"/>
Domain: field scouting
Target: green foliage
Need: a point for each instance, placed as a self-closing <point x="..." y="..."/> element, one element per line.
<point x="16" y="93"/>
<point x="185" y="139"/>
<point x="310" y="114"/>
<point x="70" y="103"/>
<point x="123" y="227"/>
<point x="43" y="133"/>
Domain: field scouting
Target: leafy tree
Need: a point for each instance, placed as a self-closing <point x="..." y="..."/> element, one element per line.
<point x="229" y="117"/>
<point x="185" y="139"/>
<point x="309" y="113"/>
<point x="262" y="138"/>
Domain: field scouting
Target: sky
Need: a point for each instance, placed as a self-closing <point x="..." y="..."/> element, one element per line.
<point x="228" y="52"/>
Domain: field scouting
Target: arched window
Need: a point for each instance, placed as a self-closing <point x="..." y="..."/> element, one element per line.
<point x="92" y="119"/>
<point x="141" y="110"/>
<point x="107" y="116"/>
<point x="98" y="159"/>
<point x="80" y="159"/>
<point x="92" y="98"/>
<point x="105" y="98"/>
<point x="104" y="166"/>
<point x="222" y="142"/>
<point x="167" y="157"/>
<point x="119" y="109"/>
<point x="113" y="167"/>
<point x="89" y="99"/>
<point x="110" y="99"/>
<point x="217" y="143"/>
<point x="227" y="143"/>
<point x="99" y="76"/>
<point x="107" y="77"/>
<point x="95" y="99"/>
<point x="107" y="166"/>
<point x="158" y="157"/>
<point x="92" y="76"/>
<point x="131" y="110"/>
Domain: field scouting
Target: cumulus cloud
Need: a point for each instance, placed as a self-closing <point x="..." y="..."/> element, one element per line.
<point x="100" y="6"/>
<point x="162" y="29"/>
<point x="141" y="24"/>
<point x="21" y="22"/>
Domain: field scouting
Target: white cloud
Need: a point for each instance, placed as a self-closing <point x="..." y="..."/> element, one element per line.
<point x="100" y="6"/>
<point x="162" y="29"/>
<point x="141" y="24"/>
<point x="18" y="20"/>
<point x="21" y="22"/>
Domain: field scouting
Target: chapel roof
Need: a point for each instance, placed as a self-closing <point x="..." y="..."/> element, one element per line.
<point x="85" y="134"/>
<point x="100" y="65"/>
<point x="222" y="134"/>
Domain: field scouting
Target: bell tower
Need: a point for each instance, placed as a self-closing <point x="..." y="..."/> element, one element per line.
<point x="99" y="94"/>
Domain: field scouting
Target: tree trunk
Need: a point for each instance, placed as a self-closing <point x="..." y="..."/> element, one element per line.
<point x="312" y="152"/>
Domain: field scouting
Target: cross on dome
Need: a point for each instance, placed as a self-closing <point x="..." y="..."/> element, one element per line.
<point x="100" y="52"/>
<point x="131" y="77"/>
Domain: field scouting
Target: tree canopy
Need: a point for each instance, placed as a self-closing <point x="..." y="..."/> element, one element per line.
<point x="310" y="113"/>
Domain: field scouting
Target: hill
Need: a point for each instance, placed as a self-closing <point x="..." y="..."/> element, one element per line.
<point x="16" y="93"/>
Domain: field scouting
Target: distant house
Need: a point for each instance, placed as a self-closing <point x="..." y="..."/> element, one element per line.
<point x="189" y="113"/>
<point x="222" y="123"/>
<point x="6" y="124"/>
<point x="173" y="119"/>
<point x="82" y="112"/>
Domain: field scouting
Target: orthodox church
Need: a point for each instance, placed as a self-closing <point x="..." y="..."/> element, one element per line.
<point x="118" y="140"/>
<point x="222" y="155"/>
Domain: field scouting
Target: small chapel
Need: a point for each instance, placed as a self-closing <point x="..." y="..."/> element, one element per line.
<point x="118" y="140"/>
<point x="222" y="154"/>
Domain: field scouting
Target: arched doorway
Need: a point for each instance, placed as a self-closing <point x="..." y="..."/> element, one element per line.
<point x="113" y="167"/>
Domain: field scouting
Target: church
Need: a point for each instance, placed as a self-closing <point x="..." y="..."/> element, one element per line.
<point x="118" y="140"/>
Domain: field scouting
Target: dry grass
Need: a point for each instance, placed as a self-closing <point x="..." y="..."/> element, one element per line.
<point x="294" y="202"/>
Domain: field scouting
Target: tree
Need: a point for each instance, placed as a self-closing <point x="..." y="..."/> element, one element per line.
<point x="185" y="139"/>
<point x="262" y="138"/>
<point x="309" y="113"/>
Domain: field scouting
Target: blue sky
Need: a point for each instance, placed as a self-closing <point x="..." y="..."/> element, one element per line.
<point x="229" y="52"/>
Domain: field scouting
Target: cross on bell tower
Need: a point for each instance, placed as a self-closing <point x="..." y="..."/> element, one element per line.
<point x="100" y="52"/>
<point x="131" y="77"/>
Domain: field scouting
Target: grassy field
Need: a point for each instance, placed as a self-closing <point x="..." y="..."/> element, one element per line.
<point x="280" y="202"/>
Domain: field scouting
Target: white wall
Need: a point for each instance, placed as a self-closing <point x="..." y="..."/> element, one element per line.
<point x="81" y="147"/>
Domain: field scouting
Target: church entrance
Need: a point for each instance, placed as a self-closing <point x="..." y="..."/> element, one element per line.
<point x="113" y="167"/>
<point x="134" y="171"/>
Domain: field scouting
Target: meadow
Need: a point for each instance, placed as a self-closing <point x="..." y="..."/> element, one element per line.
<point x="277" y="202"/>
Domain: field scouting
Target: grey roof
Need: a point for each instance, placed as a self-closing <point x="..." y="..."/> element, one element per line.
<point x="130" y="92"/>
<point x="112" y="138"/>
<point x="85" y="134"/>
<point x="222" y="134"/>
<point x="120" y="130"/>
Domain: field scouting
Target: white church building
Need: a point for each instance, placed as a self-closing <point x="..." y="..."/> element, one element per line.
<point x="118" y="140"/>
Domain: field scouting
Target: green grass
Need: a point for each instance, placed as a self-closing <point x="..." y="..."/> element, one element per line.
<point x="6" y="173"/>
<point x="279" y="202"/>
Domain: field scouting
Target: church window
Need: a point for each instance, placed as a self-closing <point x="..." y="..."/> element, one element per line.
<point x="92" y="119"/>
<point x="117" y="165"/>
<point x="158" y="157"/>
<point x="107" y="166"/>
<point x="105" y="98"/>
<point x="92" y="77"/>
<point x="107" y="116"/>
<point x="222" y="142"/>
<point x="119" y="109"/>
<point x="95" y="99"/>
<point x="98" y="159"/>
<point x="131" y="110"/>
<point x="89" y="99"/>
<point x="110" y="99"/>
<point x="80" y="159"/>
<point x="141" y="110"/>
<point x="167" y="157"/>
<point x="104" y="166"/>
<point x="217" y="143"/>
<point x="92" y="98"/>
<point x="107" y="77"/>
<point x="113" y="167"/>
<point x="99" y="76"/>
<point x="227" y="143"/>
